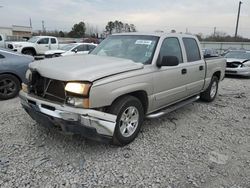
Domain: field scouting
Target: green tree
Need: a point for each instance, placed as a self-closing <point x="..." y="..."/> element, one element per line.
<point x="61" y="34"/>
<point x="78" y="30"/>
<point x="110" y="27"/>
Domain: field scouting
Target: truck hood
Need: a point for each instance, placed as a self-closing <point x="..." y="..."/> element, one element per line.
<point x="23" y="43"/>
<point x="83" y="68"/>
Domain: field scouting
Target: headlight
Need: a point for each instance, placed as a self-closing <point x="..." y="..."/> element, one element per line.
<point x="28" y="75"/>
<point x="78" y="88"/>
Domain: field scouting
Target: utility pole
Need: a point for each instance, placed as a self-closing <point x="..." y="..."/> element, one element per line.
<point x="215" y="31"/>
<point x="43" y="27"/>
<point x="30" y="23"/>
<point x="238" y="18"/>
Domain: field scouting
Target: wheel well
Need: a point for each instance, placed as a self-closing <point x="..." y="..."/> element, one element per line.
<point x="217" y="74"/>
<point x="29" y="48"/>
<point x="141" y="96"/>
<point x="10" y="73"/>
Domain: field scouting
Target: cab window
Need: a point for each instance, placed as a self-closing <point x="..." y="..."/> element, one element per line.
<point x="192" y="49"/>
<point x="171" y="47"/>
<point x="43" y="41"/>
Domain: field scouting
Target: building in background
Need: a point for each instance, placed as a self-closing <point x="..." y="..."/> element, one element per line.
<point x="16" y="32"/>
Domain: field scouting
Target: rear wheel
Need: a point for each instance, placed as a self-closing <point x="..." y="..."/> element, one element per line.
<point x="130" y="115"/>
<point x="211" y="92"/>
<point x="9" y="86"/>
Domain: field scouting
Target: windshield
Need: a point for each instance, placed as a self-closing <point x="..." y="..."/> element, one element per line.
<point x="33" y="39"/>
<point x="238" y="55"/>
<point x="133" y="47"/>
<point x="68" y="47"/>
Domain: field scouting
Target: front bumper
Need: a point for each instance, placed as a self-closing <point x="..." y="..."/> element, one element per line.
<point x="241" y="71"/>
<point x="87" y="122"/>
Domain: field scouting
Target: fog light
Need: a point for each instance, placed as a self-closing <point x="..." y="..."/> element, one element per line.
<point x="70" y="101"/>
<point x="78" y="102"/>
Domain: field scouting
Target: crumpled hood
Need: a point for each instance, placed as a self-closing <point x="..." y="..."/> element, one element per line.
<point x="83" y="68"/>
<point x="229" y="60"/>
<point x="49" y="52"/>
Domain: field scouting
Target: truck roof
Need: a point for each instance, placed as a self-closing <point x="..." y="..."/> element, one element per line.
<point x="157" y="34"/>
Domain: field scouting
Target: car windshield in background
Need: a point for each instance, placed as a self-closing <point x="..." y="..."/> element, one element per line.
<point x="33" y="39"/>
<point x="238" y="55"/>
<point x="136" y="48"/>
<point x="68" y="47"/>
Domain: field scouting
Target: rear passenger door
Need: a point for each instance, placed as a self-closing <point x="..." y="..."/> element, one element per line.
<point x="53" y="44"/>
<point x="196" y="68"/>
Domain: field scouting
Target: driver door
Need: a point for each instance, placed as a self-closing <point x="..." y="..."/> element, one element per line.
<point x="170" y="82"/>
<point x="42" y="45"/>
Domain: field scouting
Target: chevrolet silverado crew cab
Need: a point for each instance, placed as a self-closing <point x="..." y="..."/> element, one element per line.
<point x="35" y="46"/>
<point x="107" y="94"/>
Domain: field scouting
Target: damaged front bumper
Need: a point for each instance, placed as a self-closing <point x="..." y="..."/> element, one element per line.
<point x="87" y="122"/>
<point x="240" y="71"/>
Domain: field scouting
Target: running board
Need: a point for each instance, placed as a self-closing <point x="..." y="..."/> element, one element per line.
<point x="173" y="107"/>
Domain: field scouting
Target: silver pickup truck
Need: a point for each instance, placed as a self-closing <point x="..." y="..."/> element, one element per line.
<point x="107" y="94"/>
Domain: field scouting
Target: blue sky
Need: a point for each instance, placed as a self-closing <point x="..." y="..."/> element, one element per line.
<point x="198" y="16"/>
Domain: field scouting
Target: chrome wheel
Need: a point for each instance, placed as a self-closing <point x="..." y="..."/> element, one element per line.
<point x="129" y="121"/>
<point x="213" y="90"/>
<point x="7" y="87"/>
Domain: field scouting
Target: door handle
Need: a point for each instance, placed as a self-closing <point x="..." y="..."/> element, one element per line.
<point x="184" y="71"/>
<point x="201" y="68"/>
<point x="46" y="45"/>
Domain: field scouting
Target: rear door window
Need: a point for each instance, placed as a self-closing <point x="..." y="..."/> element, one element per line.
<point x="192" y="49"/>
<point x="53" y="41"/>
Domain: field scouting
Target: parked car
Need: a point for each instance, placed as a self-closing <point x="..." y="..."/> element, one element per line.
<point x="35" y="46"/>
<point x="2" y="41"/>
<point x="13" y="67"/>
<point x="238" y="62"/>
<point x="209" y="53"/>
<point x="108" y="93"/>
<point x="71" y="49"/>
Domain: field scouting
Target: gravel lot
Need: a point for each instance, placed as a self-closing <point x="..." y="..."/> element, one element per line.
<point x="200" y="145"/>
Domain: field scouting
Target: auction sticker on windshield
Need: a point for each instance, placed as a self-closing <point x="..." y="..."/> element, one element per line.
<point x="143" y="42"/>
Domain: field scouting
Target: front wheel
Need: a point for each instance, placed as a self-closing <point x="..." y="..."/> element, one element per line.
<point x="212" y="90"/>
<point x="130" y="115"/>
<point x="9" y="86"/>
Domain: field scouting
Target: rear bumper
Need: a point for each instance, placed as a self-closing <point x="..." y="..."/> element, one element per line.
<point x="241" y="71"/>
<point x="89" y="123"/>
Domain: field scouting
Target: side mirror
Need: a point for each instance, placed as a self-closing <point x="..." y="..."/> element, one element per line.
<point x="168" y="61"/>
<point x="75" y="50"/>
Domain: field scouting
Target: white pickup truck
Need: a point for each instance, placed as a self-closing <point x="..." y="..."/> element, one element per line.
<point x="35" y="46"/>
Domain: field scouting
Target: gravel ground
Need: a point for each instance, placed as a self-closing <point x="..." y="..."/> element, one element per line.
<point x="200" y="145"/>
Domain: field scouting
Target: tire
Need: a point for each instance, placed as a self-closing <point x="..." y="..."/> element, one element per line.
<point x="9" y="86"/>
<point x="29" y="52"/>
<point x="127" y="108"/>
<point x="210" y="94"/>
